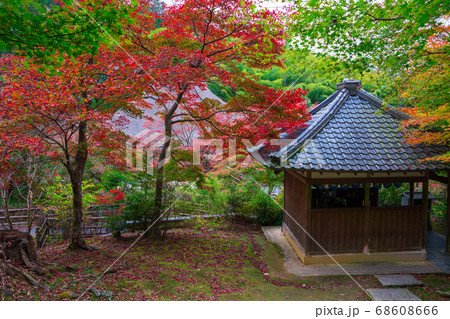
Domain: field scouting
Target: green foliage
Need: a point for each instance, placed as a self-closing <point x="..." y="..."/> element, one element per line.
<point x="440" y="204"/>
<point x="209" y="223"/>
<point x="233" y="194"/>
<point x="177" y="170"/>
<point x="224" y="93"/>
<point x="57" y="200"/>
<point x="391" y="34"/>
<point x="391" y="196"/>
<point x="112" y="179"/>
<point x="242" y="195"/>
<point x="314" y="74"/>
<point x="268" y="211"/>
<point x="139" y="209"/>
<point x="39" y="28"/>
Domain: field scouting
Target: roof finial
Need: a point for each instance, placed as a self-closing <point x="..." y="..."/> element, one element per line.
<point x="351" y="85"/>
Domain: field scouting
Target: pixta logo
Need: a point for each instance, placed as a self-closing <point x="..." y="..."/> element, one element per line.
<point x="142" y="151"/>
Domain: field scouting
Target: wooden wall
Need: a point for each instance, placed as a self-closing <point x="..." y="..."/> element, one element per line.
<point x="396" y="228"/>
<point x="338" y="230"/>
<point x="295" y="205"/>
<point x="345" y="230"/>
<point x="341" y="230"/>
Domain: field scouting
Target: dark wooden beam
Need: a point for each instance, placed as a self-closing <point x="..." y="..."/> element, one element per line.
<point x="440" y="179"/>
<point x="411" y="194"/>
<point x="308" y="247"/>
<point x="366" y="217"/>
<point x="367" y="180"/>
<point x="297" y="176"/>
<point x="425" y="211"/>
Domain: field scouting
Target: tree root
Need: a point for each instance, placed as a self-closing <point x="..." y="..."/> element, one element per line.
<point x="80" y="245"/>
<point x="32" y="265"/>
<point x="17" y="248"/>
<point x="22" y="274"/>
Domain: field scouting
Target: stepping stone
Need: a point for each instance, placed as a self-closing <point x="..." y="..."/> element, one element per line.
<point x="398" y="280"/>
<point x="392" y="294"/>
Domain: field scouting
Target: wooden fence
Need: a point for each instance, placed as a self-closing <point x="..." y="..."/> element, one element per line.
<point x="20" y="217"/>
<point x="48" y="227"/>
<point x="45" y="224"/>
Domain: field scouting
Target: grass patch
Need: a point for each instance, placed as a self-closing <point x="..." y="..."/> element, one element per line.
<point x="224" y="261"/>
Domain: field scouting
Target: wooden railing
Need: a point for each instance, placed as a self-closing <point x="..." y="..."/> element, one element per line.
<point x="43" y="232"/>
<point x="20" y="217"/>
<point x="45" y="224"/>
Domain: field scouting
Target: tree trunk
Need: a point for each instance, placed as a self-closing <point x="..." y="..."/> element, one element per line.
<point x="155" y="232"/>
<point x="30" y="214"/>
<point x="17" y="256"/>
<point x="18" y="248"/>
<point x="76" y="179"/>
<point x="77" y="215"/>
<point x="4" y="194"/>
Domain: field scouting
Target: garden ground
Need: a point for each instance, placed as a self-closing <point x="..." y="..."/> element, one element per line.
<point x="213" y="260"/>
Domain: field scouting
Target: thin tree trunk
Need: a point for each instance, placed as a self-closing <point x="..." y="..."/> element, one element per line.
<point x="155" y="232"/>
<point x="30" y="215"/>
<point x="76" y="179"/>
<point x="4" y="194"/>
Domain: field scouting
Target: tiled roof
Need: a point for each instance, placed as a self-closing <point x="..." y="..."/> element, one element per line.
<point x="352" y="131"/>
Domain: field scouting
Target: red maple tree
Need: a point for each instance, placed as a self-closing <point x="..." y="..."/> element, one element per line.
<point x="204" y="41"/>
<point x="70" y="109"/>
<point x="12" y="146"/>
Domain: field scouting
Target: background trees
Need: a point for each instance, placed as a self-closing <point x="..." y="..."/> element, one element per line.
<point x="315" y="75"/>
<point x="390" y="34"/>
<point x="426" y="88"/>
<point x="408" y="40"/>
<point x="40" y="28"/>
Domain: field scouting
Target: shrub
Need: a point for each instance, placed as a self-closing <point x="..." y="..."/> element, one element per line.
<point x="268" y="212"/>
<point x="391" y="196"/>
<point x="440" y="203"/>
<point x="139" y="209"/>
<point x="58" y="201"/>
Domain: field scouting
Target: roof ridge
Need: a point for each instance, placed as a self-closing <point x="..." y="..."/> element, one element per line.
<point x="324" y="103"/>
<point x="315" y="127"/>
<point x="375" y="101"/>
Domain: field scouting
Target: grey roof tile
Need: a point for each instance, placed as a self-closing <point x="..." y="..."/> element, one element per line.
<point x="349" y="133"/>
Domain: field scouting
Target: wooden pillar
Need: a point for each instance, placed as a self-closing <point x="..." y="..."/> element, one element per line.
<point x="411" y="194"/>
<point x="308" y="247"/>
<point x="425" y="211"/>
<point x="366" y="217"/>
<point x="447" y="246"/>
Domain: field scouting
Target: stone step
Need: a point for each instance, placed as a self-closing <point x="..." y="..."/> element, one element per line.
<point x="398" y="280"/>
<point x="392" y="294"/>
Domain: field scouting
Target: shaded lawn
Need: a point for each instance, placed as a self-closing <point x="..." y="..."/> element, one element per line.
<point x="214" y="262"/>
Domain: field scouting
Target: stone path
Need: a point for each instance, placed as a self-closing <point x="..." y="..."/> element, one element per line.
<point x="294" y="266"/>
<point x="392" y="294"/>
<point x="398" y="280"/>
<point x="436" y="251"/>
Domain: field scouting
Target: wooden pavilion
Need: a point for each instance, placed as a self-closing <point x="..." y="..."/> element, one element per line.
<point x="333" y="169"/>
